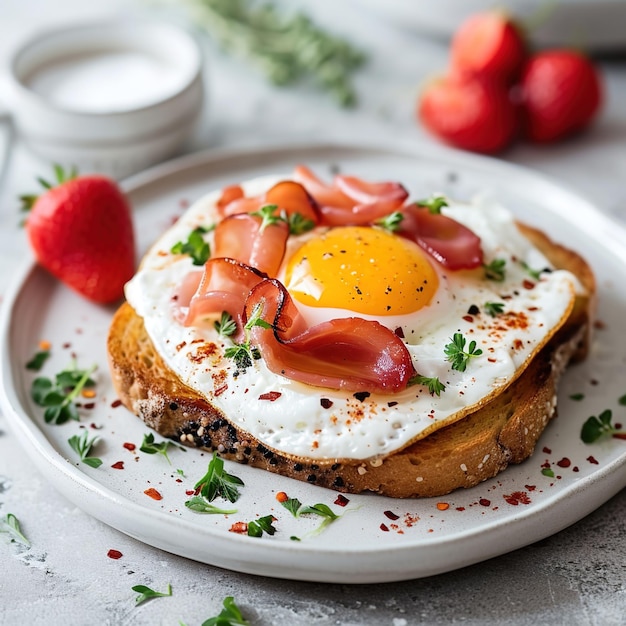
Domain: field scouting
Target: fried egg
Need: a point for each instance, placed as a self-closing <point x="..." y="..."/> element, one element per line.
<point x="371" y="273"/>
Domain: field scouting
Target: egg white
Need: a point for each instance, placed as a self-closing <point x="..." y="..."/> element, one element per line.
<point x="296" y="423"/>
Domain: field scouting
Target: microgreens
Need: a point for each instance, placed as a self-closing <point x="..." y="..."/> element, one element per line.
<point x="547" y="471"/>
<point x="257" y="527"/>
<point x="296" y="508"/>
<point x="267" y="215"/>
<point x="38" y="360"/>
<point x="391" y="222"/>
<point x="435" y="386"/>
<point x="181" y="473"/>
<point x="298" y="224"/>
<point x="596" y="427"/>
<point x="495" y="270"/>
<point x="577" y="397"/>
<point x="226" y="326"/>
<point x="456" y="353"/>
<point x="536" y="274"/>
<point x="82" y="445"/>
<point x="149" y="446"/>
<point x="200" y="504"/>
<point x="230" y="615"/>
<point x="195" y="246"/>
<point x="145" y="593"/>
<point x="218" y="483"/>
<point x="11" y="525"/>
<point x="58" y="396"/>
<point x="243" y="353"/>
<point x="494" y="308"/>
<point x="434" y="204"/>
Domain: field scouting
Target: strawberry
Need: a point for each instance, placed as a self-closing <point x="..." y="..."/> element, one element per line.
<point x="469" y="112"/>
<point x="81" y="231"/>
<point x="561" y="94"/>
<point x="489" y="44"/>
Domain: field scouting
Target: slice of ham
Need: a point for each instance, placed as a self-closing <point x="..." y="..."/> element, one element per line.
<point x="351" y="354"/>
<point x="243" y="238"/>
<point x="224" y="286"/>
<point x="454" y="245"/>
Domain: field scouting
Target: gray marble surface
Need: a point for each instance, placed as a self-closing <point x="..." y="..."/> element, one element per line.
<point x="575" y="577"/>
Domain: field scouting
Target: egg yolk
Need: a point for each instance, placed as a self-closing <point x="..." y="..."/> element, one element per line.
<point x="365" y="270"/>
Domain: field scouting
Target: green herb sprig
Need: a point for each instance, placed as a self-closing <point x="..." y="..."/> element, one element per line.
<point x="494" y="308"/>
<point x="11" y="525"/>
<point x="219" y="483"/>
<point x="150" y="446"/>
<point x="456" y="353"/>
<point x="145" y="593"/>
<point x="257" y="527"/>
<point x="195" y="246"/>
<point x="533" y="273"/>
<point x="391" y="222"/>
<point x="434" y="385"/>
<point x="82" y="445"/>
<point x="434" y="204"/>
<point x="243" y="353"/>
<point x="296" y="508"/>
<point x="38" y="360"/>
<point x="200" y="504"/>
<point x="298" y="224"/>
<point x="496" y="270"/>
<point x="597" y="427"/>
<point x="230" y="615"/>
<point x="287" y="49"/>
<point x="57" y="396"/>
<point x="226" y="325"/>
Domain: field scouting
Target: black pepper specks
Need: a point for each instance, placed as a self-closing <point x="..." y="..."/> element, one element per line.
<point x="362" y="395"/>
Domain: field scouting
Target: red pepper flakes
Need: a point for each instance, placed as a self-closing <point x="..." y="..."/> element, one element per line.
<point x="114" y="554"/>
<point x="129" y="446"/>
<point x="592" y="460"/>
<point x="341" y="500"/>
<point x="153" y="493"/>
<point x="619" y="436"/>
<point x="89" y="405"/>
<point x="326" y="403"/>
<point x="484" y="502"/>
<point x="239" y="527"/>
<point x="468" y="318"/>
<point x="564" y="462"/>
<point x="528" y="284"/>
<point x="530" y="487"/>
<point x="384" y="528"/>
<point x="443" y="506"/>
<point x="45" y="345"/>
<point x="460" y="508"/>
<point x="517" y="497"/>
<point x="116" y="403"/>
<point x="190" y="492"/>
<point x="220" y="390"/>
<point x="270" y="395"/>
<point x="88" y="393"/>
<point x="281" y="496"/>
<point x="547" y="450"/>
<point x="391" y="515"/>
<point x="119" y="465"/>
<point x="575" y="468"/>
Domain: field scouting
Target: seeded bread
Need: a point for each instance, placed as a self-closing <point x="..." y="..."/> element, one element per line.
<point x="478" y="447"/>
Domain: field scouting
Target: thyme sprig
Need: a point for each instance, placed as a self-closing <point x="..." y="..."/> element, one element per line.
<point x="287" y="49"/>
<point x="496" y="270"/>
<point x="434" y="204"/>
<point x="244" y="353"/>
<point x="456" y="353"/>
<point x="434" y="385"/>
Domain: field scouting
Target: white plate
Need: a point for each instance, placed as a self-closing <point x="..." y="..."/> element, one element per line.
<point x="478" y="524"/>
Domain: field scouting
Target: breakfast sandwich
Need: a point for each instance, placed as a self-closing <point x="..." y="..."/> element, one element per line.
<point x="349" y="336"/>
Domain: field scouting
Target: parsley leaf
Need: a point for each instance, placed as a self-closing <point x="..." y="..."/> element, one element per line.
<point x="149" y="446"/>
<point x="298" y="224"/>
<point x="195" y="246"/>
<point x="11" y="525"/>
<point x="38" y="360"/>
<point x="226" y="326"/>
<point x="434" y="204"/>
<point x="494" y="308"/>
<point x="145" y="593"/>
<point x="257" y="527"/>
<point x="218" y="483"/>
<point x="243" y="353"/>
<point x="391" y="222"/>
<point x="267" y="215"/>
<point x="596" y="427"/>
<point x="495" y="270"/>
<point x="230" y="615"/>
<point x="293" y="505"/>
<point x="200" y="504"/>
<point x="456" y="353"/>
<point x="82" y="445"/>
<point x="435" y="386"/>
<point x="57" y="396"/>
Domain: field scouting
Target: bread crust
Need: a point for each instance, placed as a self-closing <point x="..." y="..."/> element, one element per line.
<point x="477" y="447"/>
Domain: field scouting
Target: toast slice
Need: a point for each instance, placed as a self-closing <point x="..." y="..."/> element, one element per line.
<point x="478" y="447"/>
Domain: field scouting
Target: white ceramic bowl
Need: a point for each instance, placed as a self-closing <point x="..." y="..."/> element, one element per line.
<point x="113" y="97"/>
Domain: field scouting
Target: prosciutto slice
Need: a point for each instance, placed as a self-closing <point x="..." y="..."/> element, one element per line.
<point x="452" y="244"/>
<point x="351" y="354"/>
<point x="224" y="286"/>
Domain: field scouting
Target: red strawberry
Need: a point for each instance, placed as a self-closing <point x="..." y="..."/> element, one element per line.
<point x="561" y="92"/>
<point x="82" y="233"/>
<point x="489" y="44"/>
<point x="470" y="113"/>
